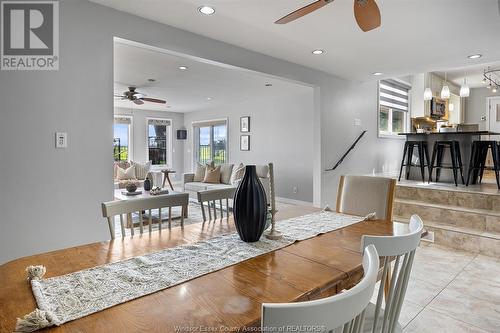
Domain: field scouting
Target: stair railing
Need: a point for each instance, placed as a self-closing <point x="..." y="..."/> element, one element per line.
<point x="347" y="152"/>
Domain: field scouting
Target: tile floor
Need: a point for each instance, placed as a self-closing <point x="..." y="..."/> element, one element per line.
<point x="452" y="291"/>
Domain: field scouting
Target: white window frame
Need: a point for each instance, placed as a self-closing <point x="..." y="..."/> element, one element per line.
<point x="208" y="122"/>
<point x="169" y="163"/>
<point x="130" y="134"/>
<point x="407" y="120"/>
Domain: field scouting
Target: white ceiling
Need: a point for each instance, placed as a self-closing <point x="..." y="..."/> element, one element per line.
<point x="415" y="36"/>
<point x="189" y="90"/>
<point x="474" y="74"/>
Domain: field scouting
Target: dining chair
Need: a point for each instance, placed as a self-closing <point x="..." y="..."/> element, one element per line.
<point x="111" y="209"/>
<point x="362" y="195"/>
<point x="401" y="249"/>
<point x="344" y="311"/>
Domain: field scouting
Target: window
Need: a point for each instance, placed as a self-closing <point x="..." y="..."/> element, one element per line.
<point x="210" y="142"/>
<point x="393" y="115"/>
<point x="158" y="141"/>
<point x="121" y="149"/>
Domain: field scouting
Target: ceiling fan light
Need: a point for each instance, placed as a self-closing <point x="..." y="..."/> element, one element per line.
<point x="464" y="91"/>
<point x="445" y="92"/>
<point x="427" y="94"/>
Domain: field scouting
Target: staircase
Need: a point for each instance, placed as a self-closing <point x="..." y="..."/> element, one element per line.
<point x="460" y="219"/>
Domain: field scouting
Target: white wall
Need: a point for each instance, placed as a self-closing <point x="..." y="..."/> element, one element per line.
<point x="281" y="131"/>
<point x="140" y="135"/>
<point x="51" y="198"/>
<point x="476" y="106"/>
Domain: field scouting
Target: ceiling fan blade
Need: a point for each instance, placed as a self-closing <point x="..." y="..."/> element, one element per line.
<point x="303" y="11"/>
<point x="367" y="14"/>
<point x="153" y="100"/>
<point x="138" y="101"/>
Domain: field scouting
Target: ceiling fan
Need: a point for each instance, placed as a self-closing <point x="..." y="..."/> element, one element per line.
<point x="366" y="13"/>
<point x="138" y="98"/>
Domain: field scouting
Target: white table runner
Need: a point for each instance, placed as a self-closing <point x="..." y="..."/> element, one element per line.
<point x="68" y="297"/>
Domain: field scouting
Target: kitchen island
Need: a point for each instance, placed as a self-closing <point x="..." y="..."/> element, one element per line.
<point x="465" y="140"/>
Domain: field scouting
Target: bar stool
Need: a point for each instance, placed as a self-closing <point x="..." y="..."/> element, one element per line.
<point x="477" y="162"/>
<point x="423" y="156"/>
<point x="456" y="160"/>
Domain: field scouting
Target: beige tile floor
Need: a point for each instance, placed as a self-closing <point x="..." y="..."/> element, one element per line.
<point x="452" y="291"/>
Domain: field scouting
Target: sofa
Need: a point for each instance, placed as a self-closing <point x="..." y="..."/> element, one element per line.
<point x="230" y="177"/>
<point x="141" y="172"/>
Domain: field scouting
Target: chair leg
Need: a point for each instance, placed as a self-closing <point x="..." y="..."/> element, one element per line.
<point x="203" y="212"/>
<point x="421" y="158"/>
<point x="426" y="154"/>
<point x="409" y="157"/>
<point x="454" y="163"/>
<point x="439" y="162"/>
<point x="433" y="160"/>
<point x="403" y="161"/>
<point x="471" y="164"/>
<point x="496" y="164"/>
<point x="484" y="154"/>
<point x="459" y="158"/>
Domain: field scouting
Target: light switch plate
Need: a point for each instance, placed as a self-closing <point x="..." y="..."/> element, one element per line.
<point x="61" y="140"/>
<point x="357" y="122"/>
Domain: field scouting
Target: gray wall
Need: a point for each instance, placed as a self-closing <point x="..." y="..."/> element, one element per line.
<point x="51" y="198"/>
<point x="140" y="149"/>
<point x="280" y="132"/>
<point x="476" y="106"/>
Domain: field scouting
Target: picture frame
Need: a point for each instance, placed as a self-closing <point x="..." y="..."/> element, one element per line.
<point x="245" y="142"/>
<point x="245" y="124"/>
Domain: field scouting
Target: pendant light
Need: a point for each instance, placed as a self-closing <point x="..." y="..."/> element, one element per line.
<point x="445" y="91"/>
<point x="464" y="89"/>
<point x="428" y="91"/>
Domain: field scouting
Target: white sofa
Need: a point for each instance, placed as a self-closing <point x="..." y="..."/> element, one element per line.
<point x="193" y="187"/>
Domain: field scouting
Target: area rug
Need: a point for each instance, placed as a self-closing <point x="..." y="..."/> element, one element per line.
<point x="68" y="297"/>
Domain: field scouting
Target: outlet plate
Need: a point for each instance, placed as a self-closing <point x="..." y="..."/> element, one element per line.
<point x="61" y="140"/>
<point x="429" y="237"/>
<point x="295" y="189"/>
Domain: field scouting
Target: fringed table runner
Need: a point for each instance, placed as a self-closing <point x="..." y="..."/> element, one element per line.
<point x="68" y="297"/>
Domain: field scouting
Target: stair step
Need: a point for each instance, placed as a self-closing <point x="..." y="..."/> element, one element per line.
<point x="487" y="243"/>
<point x="480" y="211"/>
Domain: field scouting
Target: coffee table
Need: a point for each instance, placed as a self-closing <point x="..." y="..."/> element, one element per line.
<point x="172" y="199"/>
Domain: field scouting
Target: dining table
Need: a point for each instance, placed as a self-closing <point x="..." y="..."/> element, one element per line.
<point x="229" y="299"/>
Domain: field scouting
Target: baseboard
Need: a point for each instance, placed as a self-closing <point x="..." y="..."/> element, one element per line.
<point x="294" y="202"/>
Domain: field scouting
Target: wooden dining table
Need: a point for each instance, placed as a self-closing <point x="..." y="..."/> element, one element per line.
<point x="226" y="300"/>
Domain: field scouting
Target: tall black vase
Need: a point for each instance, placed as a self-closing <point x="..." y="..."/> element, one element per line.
<point x="250" y="206"/>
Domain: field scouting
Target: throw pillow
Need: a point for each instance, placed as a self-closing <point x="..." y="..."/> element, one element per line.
<point x="199" y="173"/>
<point x="225" y="173"/>
<point x="125" y="174"/>
<point x="212" y="175"/>
<point x="119" y="164"/>
<point x="142" y="169"/>
<point x="238" y="173"/>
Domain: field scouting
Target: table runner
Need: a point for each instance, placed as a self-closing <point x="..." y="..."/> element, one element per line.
<point x="68" y="297"/>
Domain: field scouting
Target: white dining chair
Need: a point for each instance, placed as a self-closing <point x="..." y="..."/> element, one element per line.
<point x="119" y="208"/>
<point x="344" y="311"/>
<point x="362" y="195"/>
<point x="401" y="249"/>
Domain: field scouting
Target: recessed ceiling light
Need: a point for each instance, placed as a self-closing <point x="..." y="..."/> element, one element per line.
<point x="209" y="98"/>
<point x="475" y="56"/>
<point x="318" y="52"/>
<point x="377" y="73"/>
<point x="183" y="68"/>
<point x="206" y="10"/>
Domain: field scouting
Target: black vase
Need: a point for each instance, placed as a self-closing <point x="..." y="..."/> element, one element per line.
<point x="147" y="184"/>
<point x="250" y="206"/>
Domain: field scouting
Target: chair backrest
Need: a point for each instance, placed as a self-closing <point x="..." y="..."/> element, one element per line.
<point x="119" y="208"/>
<point x="362" y="195"/>
<point x="402" y="248"/>
<point x="345" y="309"/>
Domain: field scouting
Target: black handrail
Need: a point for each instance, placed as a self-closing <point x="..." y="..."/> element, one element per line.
<point x="347" y="152"/>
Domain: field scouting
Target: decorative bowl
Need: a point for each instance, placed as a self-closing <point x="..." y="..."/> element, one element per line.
<point x="131" y="187"/>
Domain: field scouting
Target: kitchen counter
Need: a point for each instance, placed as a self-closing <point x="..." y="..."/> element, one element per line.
<point x="464" y="139"/>
<point x="453" y="133"/>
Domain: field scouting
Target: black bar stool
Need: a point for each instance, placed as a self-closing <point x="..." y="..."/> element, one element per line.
<point x="477" y="162"/>
<point x="423" y="157"/>
<point x="456" y="160"/>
